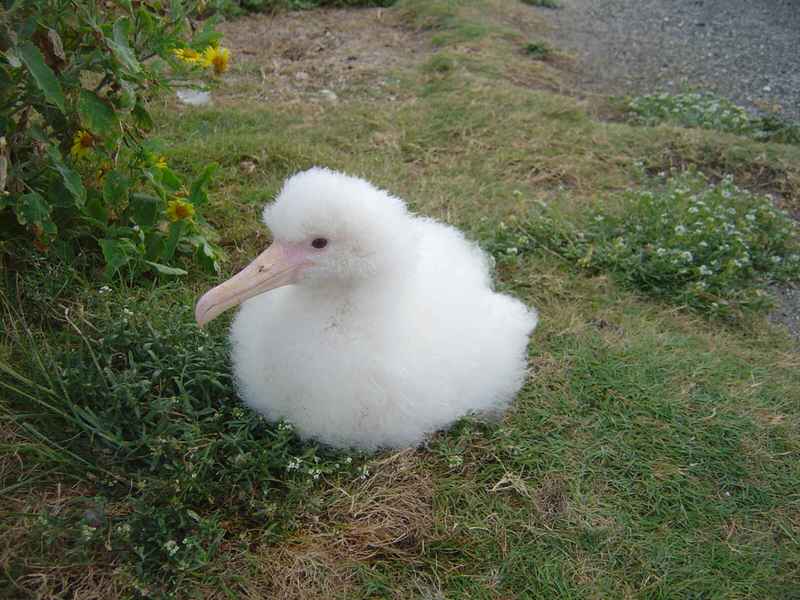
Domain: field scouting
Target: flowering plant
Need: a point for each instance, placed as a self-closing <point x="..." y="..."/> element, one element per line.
<point x="709" y="111"/>
<point x="76" y="77"/>
<point x="710" y="246"/>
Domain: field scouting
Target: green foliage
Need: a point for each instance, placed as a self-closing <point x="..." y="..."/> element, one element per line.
<point x="709" y="111"/>
<point x="145" y="402"/>
<point x="76" y="81"/>
<point x="538" y="50"/>
<point x="710" y="246"/>
<point x="543" y="3"/>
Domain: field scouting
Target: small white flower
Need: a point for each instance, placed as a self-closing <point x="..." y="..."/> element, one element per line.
<point x="703" y="244"/>
<point x="686" y="255"/>
<point x="171" y="547"/>
<point x="127" y="311"/>
<point x="694" y="210"/>
<point x="661" y="251"/>
<point x="348" y="460"/>
<point x="513" y="251"/>
<point x="599" y="218"/>
<point x="680" y="229"/>
<point x="776" y="259"/>
<point x="455" y="461"/>
<point x="704" y="270"/>
<point x="104" y="290"/>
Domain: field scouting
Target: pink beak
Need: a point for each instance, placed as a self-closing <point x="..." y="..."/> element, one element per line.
<point x="277" y="266"/>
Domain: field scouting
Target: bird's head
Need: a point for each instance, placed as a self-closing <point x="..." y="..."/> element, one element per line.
<point x="328" y="229"/>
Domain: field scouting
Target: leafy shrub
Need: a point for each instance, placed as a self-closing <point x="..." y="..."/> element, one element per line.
<point x="144" y="401"/>
<point x="709" y="246"/>
<point x="75" y="80"/>
<point x="709" y="111"/>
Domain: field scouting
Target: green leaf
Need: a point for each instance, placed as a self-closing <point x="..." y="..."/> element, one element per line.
<point x="144" y="209"/>
<point x="170" y="180"/>
<point x="207" y="36"/>
<point x="208" y="255"/>
<point x="42" y="74"/>
<point x="126" y="99"/>
<point x="115" y="189"/>
<point x="72" y="181"/>
<point x="96" y="210"/>
<point x="154" y="244"/>
<point x="197" y="195"/>
<point x="117" y="253"/>
<point x="32" y="209"/>
<point x="165" y="270"/>
<point x="98" y="116"/>
<point x="176" y="231"/>
<point x="119" y="46"/>
<point x="142" y="117"/>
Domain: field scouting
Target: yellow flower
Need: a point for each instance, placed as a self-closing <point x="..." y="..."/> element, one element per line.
<point x="187" y="55"/>
<point x="178" y="210"/>
<point x="160" y="162"/>
<point x="217" y="58"/>
<point x="82" y="144"/>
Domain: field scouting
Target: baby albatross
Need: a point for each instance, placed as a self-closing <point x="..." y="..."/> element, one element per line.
<point x="379" y="327"/>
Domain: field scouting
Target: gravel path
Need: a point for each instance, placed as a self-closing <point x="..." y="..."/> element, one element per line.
<point x="746" y="50"/>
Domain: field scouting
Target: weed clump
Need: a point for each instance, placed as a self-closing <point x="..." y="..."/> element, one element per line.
<point x="538" y="50"/>
<point x="710" y="246"/>
<point x="543" y="3"/>
<point x="709" y="111"/>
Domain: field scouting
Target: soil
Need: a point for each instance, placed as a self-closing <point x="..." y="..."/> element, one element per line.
<point x="322" y="53"/>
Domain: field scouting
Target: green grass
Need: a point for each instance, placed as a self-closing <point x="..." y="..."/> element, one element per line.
<point x="651" y="454"/>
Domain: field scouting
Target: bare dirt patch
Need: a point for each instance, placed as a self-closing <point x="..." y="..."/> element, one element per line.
<point x="322" y="52"/>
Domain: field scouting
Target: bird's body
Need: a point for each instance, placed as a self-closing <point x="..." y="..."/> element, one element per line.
<point x="379" y="349"/>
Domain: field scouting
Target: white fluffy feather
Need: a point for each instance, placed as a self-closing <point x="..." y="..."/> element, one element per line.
<point x="394" y="333"/>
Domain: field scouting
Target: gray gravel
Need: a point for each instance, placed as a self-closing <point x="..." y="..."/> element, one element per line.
<point x="746" y="50"/>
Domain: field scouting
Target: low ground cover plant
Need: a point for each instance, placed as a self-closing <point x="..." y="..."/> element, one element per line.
<point x="709" y="111"/>
<point x="708" y="245"/>
<point x="141" y="401"/>
<point x="76" y="167"/>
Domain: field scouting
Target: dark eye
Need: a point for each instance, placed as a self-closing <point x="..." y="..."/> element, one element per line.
<point x="319" y="243"/>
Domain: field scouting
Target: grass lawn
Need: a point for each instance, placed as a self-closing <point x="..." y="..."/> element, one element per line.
<point x="653" y="452"/>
